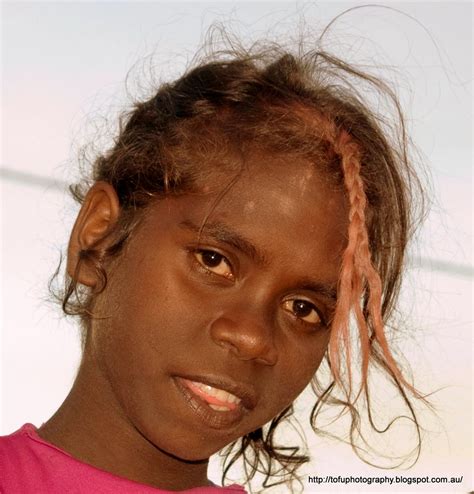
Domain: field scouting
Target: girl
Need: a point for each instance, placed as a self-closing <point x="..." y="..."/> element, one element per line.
<point x="245" y="214"/>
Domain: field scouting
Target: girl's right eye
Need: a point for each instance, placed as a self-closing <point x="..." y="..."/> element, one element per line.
<point x="215" y="263"/>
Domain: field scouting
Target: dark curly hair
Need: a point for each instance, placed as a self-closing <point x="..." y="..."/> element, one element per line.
<point x="303" y="103"/>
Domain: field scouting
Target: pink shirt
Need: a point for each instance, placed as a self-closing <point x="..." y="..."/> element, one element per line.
<point x="28" y="465"/>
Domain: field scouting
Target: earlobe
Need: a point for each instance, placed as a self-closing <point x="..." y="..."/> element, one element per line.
<point x="96" y="219"/>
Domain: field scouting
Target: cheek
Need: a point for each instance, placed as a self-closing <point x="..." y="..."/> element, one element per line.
<point x="151" y="313"/>
<point x="298" y="368"/>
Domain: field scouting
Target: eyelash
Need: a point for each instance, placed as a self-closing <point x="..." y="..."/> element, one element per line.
<point x="301" y="320"/>
<point x="198" y="255"/>
<point x="199" y="258"/>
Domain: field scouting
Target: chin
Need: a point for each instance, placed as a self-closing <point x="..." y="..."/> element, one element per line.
<point x="190" y="451"/>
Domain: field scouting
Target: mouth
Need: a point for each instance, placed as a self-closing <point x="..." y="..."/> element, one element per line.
<point x="218" y="399"/>
<point x="218" y="402"/>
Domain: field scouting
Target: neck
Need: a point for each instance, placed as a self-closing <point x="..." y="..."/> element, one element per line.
<point x="90" y="422"/>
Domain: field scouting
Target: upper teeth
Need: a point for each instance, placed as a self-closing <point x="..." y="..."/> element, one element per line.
<point x="220" y="394"/>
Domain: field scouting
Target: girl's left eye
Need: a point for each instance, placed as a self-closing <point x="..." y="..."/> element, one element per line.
<point x="215" y="263"/>
<point x="302" y="309"/>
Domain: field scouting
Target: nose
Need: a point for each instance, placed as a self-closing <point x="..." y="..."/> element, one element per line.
<point x="247" y="337"/>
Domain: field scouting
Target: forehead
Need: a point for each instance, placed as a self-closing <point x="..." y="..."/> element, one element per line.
<point x="285" y="206"/>
<point x="288" y="181"/>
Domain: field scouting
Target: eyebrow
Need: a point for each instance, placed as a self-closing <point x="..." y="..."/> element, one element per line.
<point x="326" y="290"/>
<point x="221" y="232"/>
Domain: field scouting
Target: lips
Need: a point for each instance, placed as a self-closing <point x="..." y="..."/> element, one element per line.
<point x="217" y="401"/>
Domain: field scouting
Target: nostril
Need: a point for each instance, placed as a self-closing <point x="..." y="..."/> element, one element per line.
<point x="263" y="355"/>
<point x="269" y="357"/>
<point x="228" y="346"/>
<point x="245" y="340"/>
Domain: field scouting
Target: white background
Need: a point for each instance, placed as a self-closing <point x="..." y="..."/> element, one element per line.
<point x="63" y="68"/>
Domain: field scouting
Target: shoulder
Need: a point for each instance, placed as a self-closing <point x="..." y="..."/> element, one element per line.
<point x="15" y="447"/>
<point x="30" y="465"/>
<point x="18" y="459"/>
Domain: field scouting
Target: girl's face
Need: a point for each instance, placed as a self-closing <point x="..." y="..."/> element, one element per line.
<point x="204" y="336"/>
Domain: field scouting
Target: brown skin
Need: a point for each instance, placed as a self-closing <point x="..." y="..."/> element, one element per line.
<point x="168" y="311"/>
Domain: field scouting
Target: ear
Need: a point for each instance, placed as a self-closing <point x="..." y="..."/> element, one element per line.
<point x="97" y="217"/>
